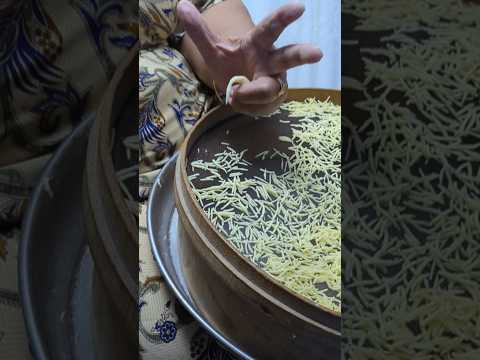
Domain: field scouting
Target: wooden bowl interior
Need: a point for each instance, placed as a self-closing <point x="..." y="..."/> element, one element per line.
<point x="246" y="132"/>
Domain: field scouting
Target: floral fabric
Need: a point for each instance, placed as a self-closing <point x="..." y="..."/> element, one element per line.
<point x="171" y="100"/>
<point x="158" y="20"/>
<point x="46" y="47"/>
<point x="56" y="58"/>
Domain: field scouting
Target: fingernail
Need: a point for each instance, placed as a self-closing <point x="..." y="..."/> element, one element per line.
<point x="316" y="55"/>
<point x="183" y="8"/>
<point x="300" y="7"/>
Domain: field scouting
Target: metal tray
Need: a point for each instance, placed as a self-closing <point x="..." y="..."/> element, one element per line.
<point x="67" y="312"/>
<point x="165" y="239"/>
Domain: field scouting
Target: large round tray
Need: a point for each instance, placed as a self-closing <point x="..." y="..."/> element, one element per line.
<point x="240" y="302"/>
<point x="165" y="238"/>
<point x="67" y="311"/>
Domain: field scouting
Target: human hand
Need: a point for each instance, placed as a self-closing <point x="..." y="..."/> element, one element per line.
<point x="252" y="55"/>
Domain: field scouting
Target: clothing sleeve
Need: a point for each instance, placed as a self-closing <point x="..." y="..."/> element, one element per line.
<point x="158" y="20"/>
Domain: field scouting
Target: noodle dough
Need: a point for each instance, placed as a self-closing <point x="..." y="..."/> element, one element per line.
<point x="236" y="80"/>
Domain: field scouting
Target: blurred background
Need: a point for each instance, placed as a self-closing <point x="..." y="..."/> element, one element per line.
<point x="320" y="25"/>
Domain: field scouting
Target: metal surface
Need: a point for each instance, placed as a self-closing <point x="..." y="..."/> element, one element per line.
<point x="67" y="312"/>
<point x="165" y="238"/>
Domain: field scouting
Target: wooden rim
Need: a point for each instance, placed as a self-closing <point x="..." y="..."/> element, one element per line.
<point x="105" y="138"/>
<point x="227" y="252"/>
<point x="113" y="233"/>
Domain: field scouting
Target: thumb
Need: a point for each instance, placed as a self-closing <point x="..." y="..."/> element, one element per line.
<point x="197" y="28"/>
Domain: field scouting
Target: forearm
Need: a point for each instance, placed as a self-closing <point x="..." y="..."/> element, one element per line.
<point x="226" y="19"/>
<point x="229" y="44"/>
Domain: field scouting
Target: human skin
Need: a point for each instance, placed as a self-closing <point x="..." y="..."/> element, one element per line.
<point x="223" y="42"/>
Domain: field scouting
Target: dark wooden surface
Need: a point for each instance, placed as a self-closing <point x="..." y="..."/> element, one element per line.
<point x="266" y="318"/>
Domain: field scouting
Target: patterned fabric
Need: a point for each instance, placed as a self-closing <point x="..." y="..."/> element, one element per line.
<point x="56" y="58"/>
<point x="171" y="100"/>
<point x="158" y="20"/>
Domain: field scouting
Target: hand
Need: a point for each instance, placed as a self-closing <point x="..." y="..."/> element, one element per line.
<point x="252" y="55"/>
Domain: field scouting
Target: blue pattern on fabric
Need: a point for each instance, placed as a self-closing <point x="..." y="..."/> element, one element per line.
<point x="167" y="330"/>
<point x="148" y="130"/>
<point x="169" y="52"/>
<point x="22" y="63"/>
<point x="56" y="98"/>
<point x="95" y="15"/>
<point x="123" y="41"/>
<point x="180" y="112"/>
<point x="143" y="77"/>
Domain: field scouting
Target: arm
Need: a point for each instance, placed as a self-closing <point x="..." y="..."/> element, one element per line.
<point x="223" y="43"/>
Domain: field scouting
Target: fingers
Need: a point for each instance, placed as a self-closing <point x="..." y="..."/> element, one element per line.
<point x="197" y="28"/>
<point x="269" y="29"/>
<point x="263" y="90"/>
<point x="291" y="56"/>
<point x="257" y="109"/>
<point x="259" y="97"/>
